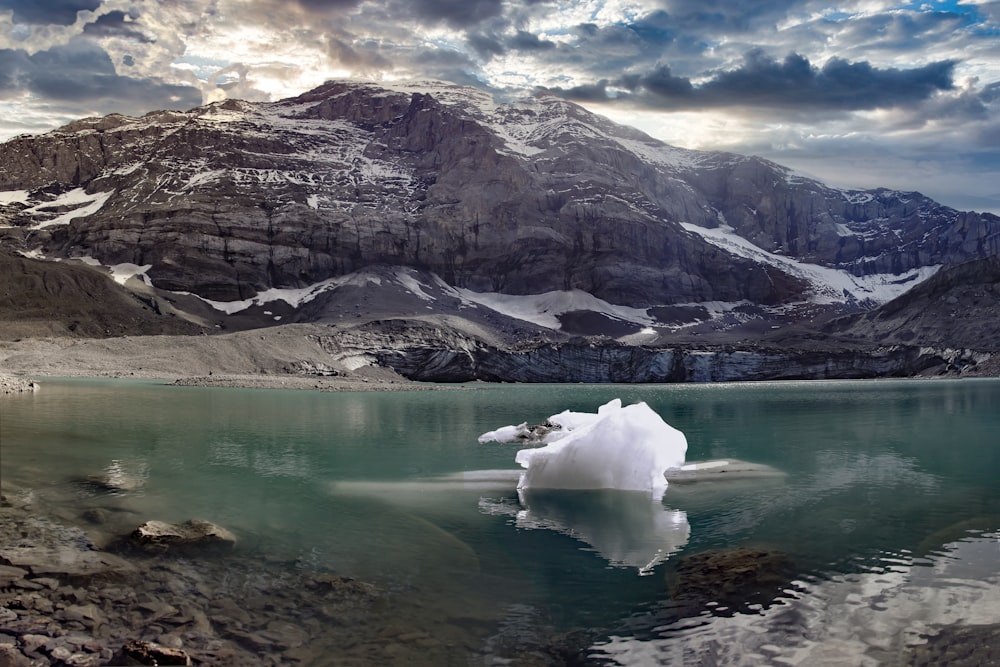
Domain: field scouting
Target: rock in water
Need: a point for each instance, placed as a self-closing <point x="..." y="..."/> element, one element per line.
<point x="192" y="535"/>
<point x="148" y="653"/>
<point x="732" y="579"/>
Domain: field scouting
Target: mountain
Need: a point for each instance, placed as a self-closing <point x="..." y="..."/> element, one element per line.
<point x="533" y="219"/>
<point x="960" y="304"/>
<point x="39" y="298"/>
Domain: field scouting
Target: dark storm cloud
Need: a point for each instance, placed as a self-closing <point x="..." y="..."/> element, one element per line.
<point x="791" y="84"/>
<point x="486" y="46"/>
<point x="83" y="73"/>
<point x="991" y="92"/>
<point x="321" y="6"/>
<point x="52" y="12"/>
<point x="606" y="51"/>
<point x="525" y="41"/>
<point x="363" y="57"/>
<point x="597" y="92"/>
<point x="457" y="12"/>
<point x="794" y="82"/>
<point x="662" y="83"/>
<point x="715" y="16"/>
<point x="446" y="65"/>
<point x="113" y="24"/>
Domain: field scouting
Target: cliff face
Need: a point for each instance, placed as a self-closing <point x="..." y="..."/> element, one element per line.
<point x="232" y="199"/>
<point x="435" y="353"/>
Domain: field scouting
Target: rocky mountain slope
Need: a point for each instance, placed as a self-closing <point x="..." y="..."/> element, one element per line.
<point x="530" y="222"/>
<point x="39" y="298"/>
<point x="960" y="304"/>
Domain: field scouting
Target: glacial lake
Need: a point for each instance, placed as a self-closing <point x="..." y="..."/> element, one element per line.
<point x="885" y="508"/>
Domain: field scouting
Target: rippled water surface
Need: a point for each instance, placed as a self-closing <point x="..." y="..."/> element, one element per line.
<point x="887" y="506"/>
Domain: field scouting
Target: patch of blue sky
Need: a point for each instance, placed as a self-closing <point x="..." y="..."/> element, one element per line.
<point x="958" y="7"/>
<point x="203" y="68"/>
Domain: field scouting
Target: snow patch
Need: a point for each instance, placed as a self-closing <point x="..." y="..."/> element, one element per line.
<point x="353" y="363"/>
<point x="544" y="309"/>
<point x="14" y="197"/>
<point x="203" y="177"/>
<point x="85" y="204"/>
<point x="121" y="273"/>
<point x="293" y="296"/>
<point x="828" y="285"/>
<point x="413" y="285"/>
<point x="659" y="154"/>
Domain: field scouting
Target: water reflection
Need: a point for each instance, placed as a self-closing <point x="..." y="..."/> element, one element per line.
<point x="626" y="528"/>
<point x="910" y="611"/>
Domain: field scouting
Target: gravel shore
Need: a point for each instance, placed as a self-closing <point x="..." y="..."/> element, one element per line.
<point x="288" y="357"/>
<point x="16" y="384"/>
<point x="65" y="600"/>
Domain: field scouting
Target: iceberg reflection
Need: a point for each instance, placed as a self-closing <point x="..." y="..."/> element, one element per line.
<point x="626" y="528"/>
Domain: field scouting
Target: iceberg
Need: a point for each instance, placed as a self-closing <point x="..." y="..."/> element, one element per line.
<point x="626" y="448"/>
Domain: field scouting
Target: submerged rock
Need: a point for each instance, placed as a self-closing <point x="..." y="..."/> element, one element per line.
<point x="65" y="561"/>
<point x="731" y="579"/>
<point x="148" y="653"/>
<point x="959" y="646"/>
<point x="9" y="575"/>
<point x="192" y="535"/>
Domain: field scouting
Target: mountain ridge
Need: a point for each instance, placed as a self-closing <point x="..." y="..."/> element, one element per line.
<point x="223" y="211"/>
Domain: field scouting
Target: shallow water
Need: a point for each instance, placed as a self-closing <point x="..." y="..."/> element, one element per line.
<point x="889" y="496"/>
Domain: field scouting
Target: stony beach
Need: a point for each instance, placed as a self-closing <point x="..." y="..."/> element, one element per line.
<point x="16" y="384"/>
<point x="65" y="600"/>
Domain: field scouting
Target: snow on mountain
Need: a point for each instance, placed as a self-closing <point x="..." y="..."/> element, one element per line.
<point x="828" y="285"/>
<point x="77" y="200"/>
<point x="14" y="197"/>
<point x="545" y="309"/>
<point x="122" y="273"/>
<point x="294" y="297"/>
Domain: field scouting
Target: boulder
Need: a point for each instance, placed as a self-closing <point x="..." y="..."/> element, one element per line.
<point x="149" y="653"/>
<point x="731" y="579"/>
<point x="65" y="561"/>
<point x="9" y="575"/>
<point x="192" y="535"/>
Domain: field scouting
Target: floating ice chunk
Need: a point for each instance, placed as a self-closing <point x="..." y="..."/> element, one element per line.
<point x="626" y="448"/>
<point x="506" y="433"/>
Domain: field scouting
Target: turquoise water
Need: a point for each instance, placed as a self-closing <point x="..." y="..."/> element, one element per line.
<point x="878" y="476"/>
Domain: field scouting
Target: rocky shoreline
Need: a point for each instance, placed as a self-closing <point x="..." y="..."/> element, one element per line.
<point x="317" y="383"/>
<point x="16" y="384"/>
<point x="66" y="601"/>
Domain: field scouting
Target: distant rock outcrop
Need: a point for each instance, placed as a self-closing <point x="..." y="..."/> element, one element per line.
<point x="960" y="305"/>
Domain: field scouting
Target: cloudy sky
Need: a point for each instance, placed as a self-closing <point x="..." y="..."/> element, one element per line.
<point x="860" y="93"/>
